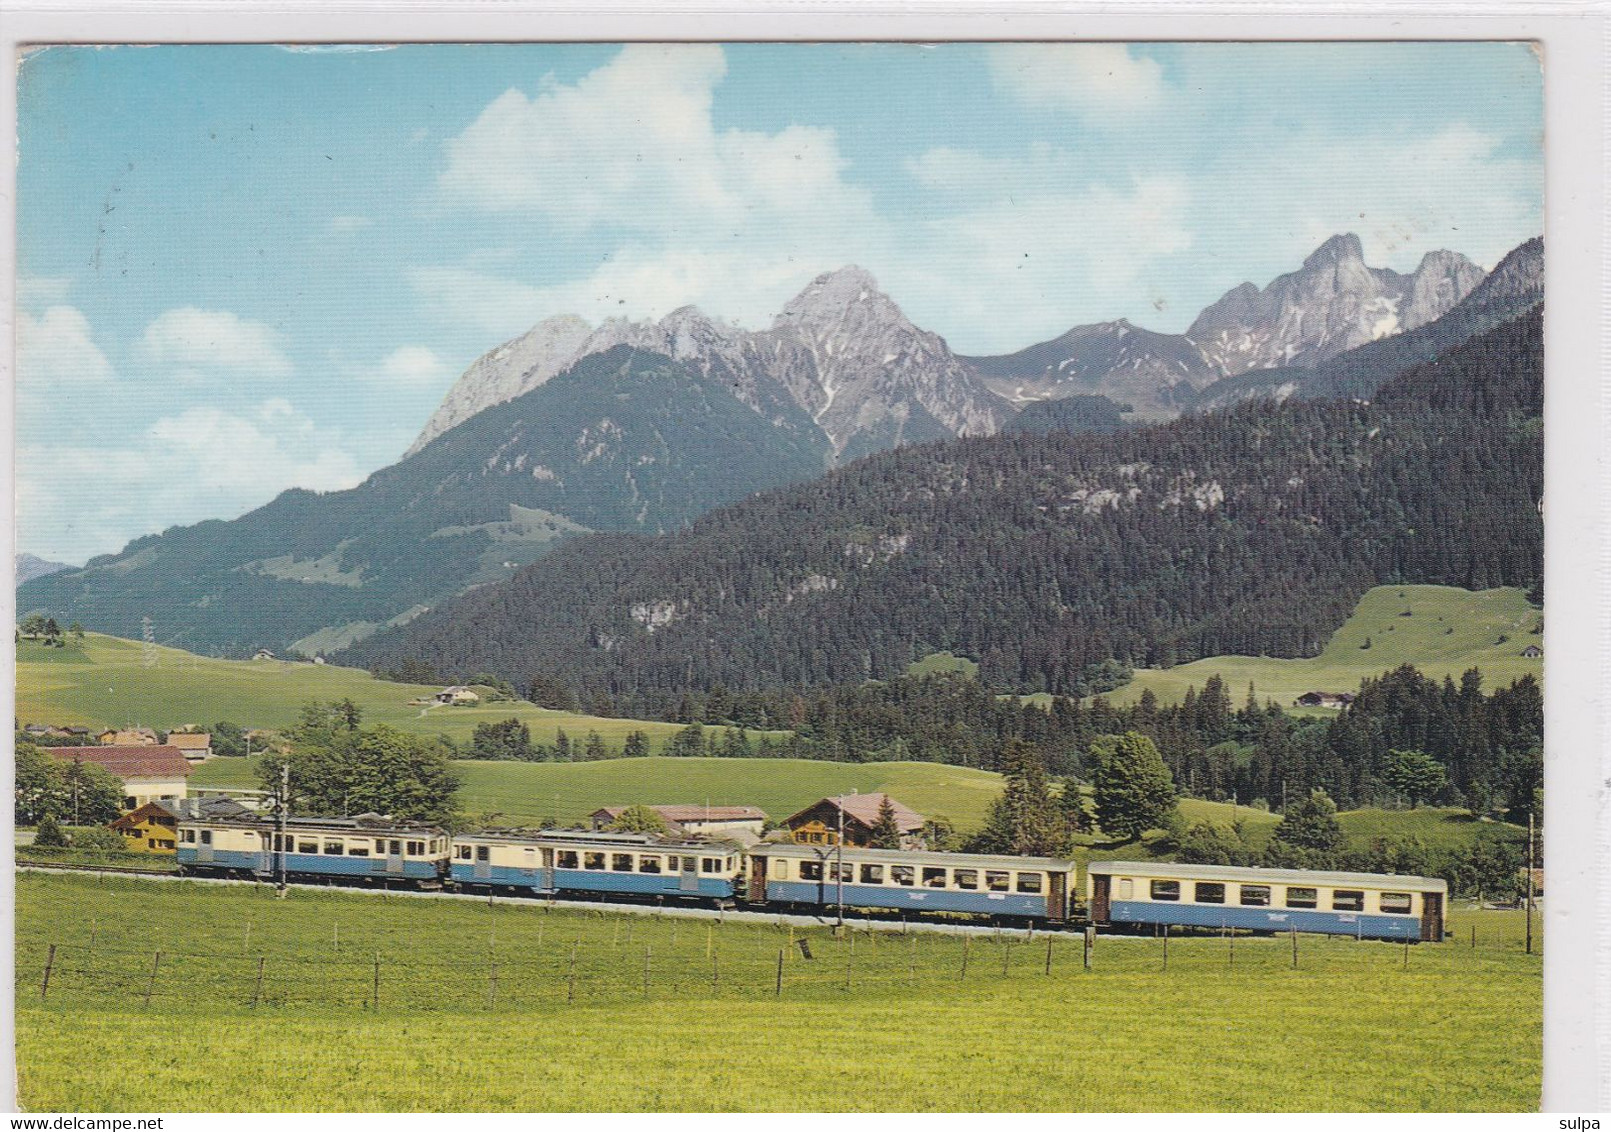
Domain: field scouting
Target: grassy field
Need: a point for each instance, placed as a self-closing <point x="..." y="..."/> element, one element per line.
<point x="530" y="792"/>
<point x="103" y="681"/>
<point x="1448" y="631"/>
<point x="477" y="1010"/>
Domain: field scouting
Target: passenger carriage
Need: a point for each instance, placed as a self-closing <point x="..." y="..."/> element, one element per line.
<point x="1031" y="888"/>
<point x="1365" y="905"/>
<point x="367" y="849"/>
<point x="561" y="862"/>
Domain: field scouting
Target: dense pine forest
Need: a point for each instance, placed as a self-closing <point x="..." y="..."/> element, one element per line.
<point x="1046" y="556"/>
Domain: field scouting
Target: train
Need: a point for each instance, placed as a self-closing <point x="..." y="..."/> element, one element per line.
<point x="812" y="879"/>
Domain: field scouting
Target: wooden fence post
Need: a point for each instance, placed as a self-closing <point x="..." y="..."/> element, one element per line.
<point x="967" y="947"/>
<point x="50" y="961"/>
<point x="1048" y="954"/>
<point x="1006" y="958"/>
<point x="715" y="975"/>
<point x="778" y="991"/>
<point x="1090" y="944"/>
<point x="646" y="970"/>
<point x="911" y="963"/>
<point x="376" y="997"/>
<point x="257" y="990"/>
<point x="1406" y="955"/>
<point x="151" y="983"/>
<point x="1230" y="937"/>
<point x="1166" y="947"/>
<point x="1294" y="947"/>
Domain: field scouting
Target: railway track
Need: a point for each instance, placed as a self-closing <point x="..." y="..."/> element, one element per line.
<point x="857" y="922"/>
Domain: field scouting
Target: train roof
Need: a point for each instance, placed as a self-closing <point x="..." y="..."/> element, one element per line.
<point x="1168" y="870"/>
<point x="602" y="839"/>
<point x="910" y="857"/>
<point x="363" y="823"/>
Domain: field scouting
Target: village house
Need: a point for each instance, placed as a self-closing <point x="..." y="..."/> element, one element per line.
<point x="458" y="694"/>
<point x="148" y="774"/>
<point x="129" y="737"/>
<point x="820" y="822"/>
<point x="197" y="745"/>
<point x="1532" y="652"/>
<point x="718" y="821"/>
<point x="1337" y="700"/>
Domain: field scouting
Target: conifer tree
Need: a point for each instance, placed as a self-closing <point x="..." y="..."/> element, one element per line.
<point x="886" y="830"/>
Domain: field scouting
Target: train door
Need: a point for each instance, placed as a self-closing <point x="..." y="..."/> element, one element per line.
<point x="1431" y="916"/>
<point x="265" y="859"/>
<point x="688" y="878"/>
<point x="1057" y="897"/>
<point x="545" y="878"/>
<point x="394" y="858"/>
<point x="1101" y="885"/>
<point x="482" y="869"/>
<point x="757" y="879"/>
<point x="204" y="845"/>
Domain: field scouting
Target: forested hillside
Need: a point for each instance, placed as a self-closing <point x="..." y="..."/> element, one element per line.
<point x="1251" y="530"/>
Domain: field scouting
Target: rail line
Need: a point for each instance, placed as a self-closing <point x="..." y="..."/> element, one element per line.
<point x="679" y="911"/>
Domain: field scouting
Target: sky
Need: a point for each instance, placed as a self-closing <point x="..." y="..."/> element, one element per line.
<point x="246" y="268"/>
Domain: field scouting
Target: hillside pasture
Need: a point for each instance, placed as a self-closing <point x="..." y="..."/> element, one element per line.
<point x="104" y="681"/>
<point x="1441" y="630"/>
<point x="473" y="995"/>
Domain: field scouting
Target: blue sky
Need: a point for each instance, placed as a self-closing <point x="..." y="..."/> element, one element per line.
<point x="242" y="269"/>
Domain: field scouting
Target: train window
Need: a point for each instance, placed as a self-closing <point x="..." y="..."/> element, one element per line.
<point x="710" y="864"/>
<point x="967" y="878"/>
<point x="842" y="871"/>
<point x="567" y="859"/>
<point x="358" y="849"/>
<point x="1302" y="898"/>
<point x="780" y="869"/>
<point x="380" y="848"/>
<point x="206" y="837"/>
<point x="872" y="874"/>
<point x="1347" y="900"/>
<point x="996" y="881"/>
<point x="1256" y="895"/>
<point x="903" y="874"/>
<point x="483" y="853"/>
<point x="621" y="862"/>
<point x="593" y="861"/>
<point x="1029" y="882"/>
<point x="1209" y="892"/>
<point x="1166" y="890"/>
<point x="307" y="846"/>
<point x="810" y="870"/>
<point x="334" y="849"/>
<point x="649" y="863"/>
<point x="462" y="852"/>
<point x="189" y="835"/>
<point x="416" y="848"/>
<point x="933" y="878"/>
<point x="730" y="864"/>
<point x="1396" y="903"/>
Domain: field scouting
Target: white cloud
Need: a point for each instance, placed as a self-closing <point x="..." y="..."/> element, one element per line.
<point x="201" y="463"/>
<point x="410" y="366"/>
<point x="193" y="340"/>
<point x="57" y="348"/>
<point x="34" y="290"/>
<point x="1093" y="80"/>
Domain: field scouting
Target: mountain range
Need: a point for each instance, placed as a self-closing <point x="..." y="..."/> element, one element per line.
<point x="644" y="426"/>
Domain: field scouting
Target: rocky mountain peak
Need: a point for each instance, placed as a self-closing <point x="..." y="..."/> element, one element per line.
<point x="1344" y="248"/>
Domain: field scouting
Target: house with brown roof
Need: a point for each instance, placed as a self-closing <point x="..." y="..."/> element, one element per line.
<point x="153" y="828"/>
<point x="857" y="814"/>
<point x="148" y="774"/>
<point x="723" y="821"/>
<point x="129" y="737"/>
<point x="197" y="745"/>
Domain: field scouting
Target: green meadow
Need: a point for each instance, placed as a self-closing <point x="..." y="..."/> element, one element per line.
<point x="104" y="682"/>
<point x="1441" y="630"/>
<point x="528" y="1008"/>
<point x="528" y="793"/>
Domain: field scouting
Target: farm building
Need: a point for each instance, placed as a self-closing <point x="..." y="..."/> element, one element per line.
<point x="1325" y="699"/>
<point x="197" y="746"/>
<point x="153" y="828"/>
<point x="148" y="774"/>
<point x="723" y="821"/>
<point x="458" y="694"/>
<point x="1532" y="652"/>
<point x="129" y="737"/>
<point x="819" y="823"/>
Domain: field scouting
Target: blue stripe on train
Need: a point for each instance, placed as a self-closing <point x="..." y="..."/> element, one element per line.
<point x="584" y="880"/>
<point x="1265" y="919"/>
<point x="826" y="893"/>
<point x="308" y="863"/>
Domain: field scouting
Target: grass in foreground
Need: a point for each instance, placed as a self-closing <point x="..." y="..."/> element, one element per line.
<point x="1460" y="1027"/>
<point x="1447" y="631"/>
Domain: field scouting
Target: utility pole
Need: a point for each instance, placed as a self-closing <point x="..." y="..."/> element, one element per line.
<point x="1529" y="884"/>
<point x="839" y="868"/>
<point x="283" y="808"/>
